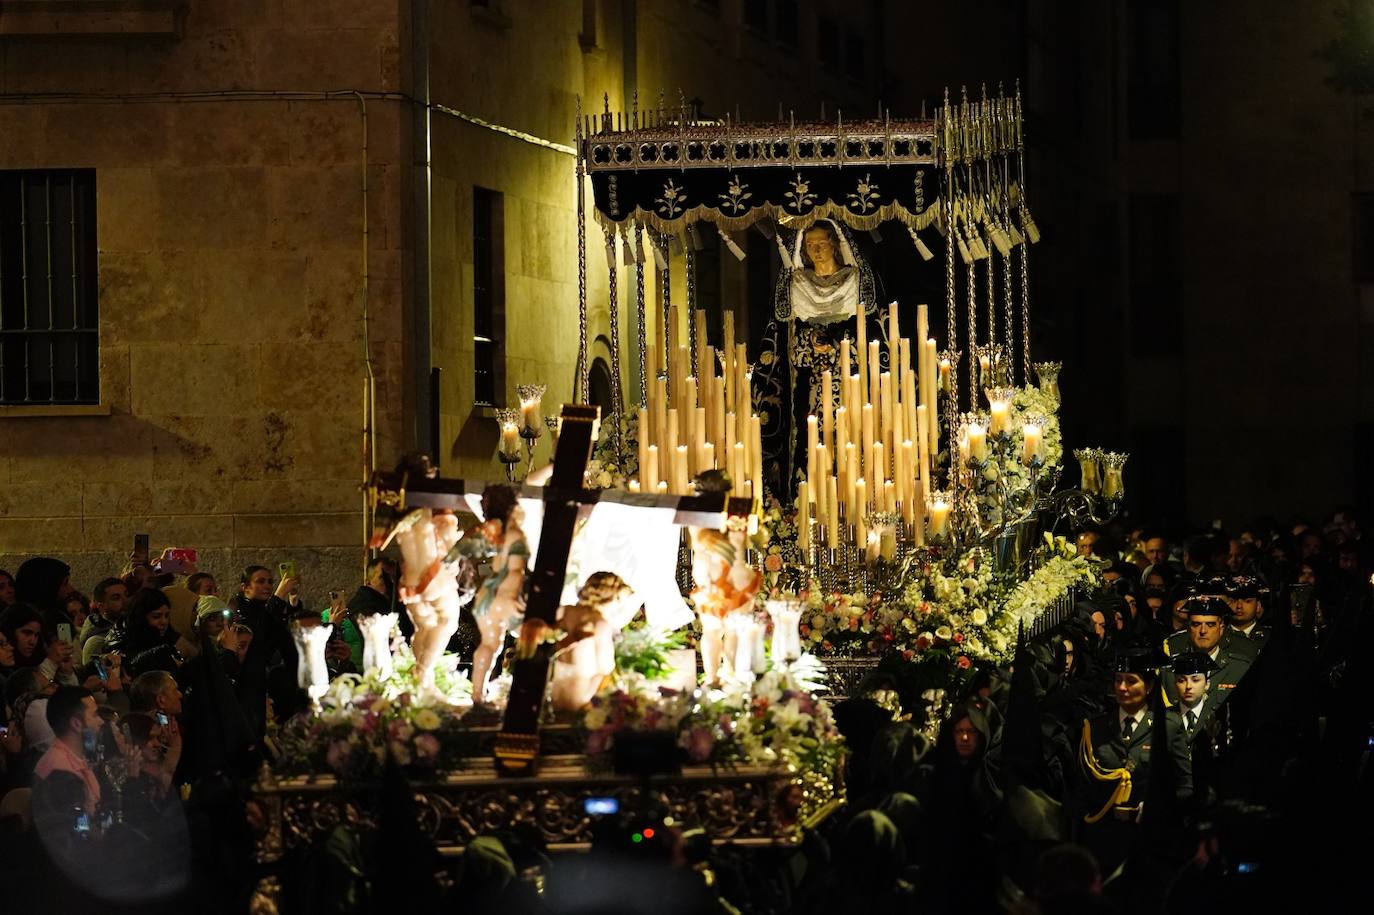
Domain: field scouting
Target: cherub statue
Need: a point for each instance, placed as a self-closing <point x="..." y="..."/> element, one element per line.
<point x="725" y="583"/>
<point x="430" y="587"/>
<point x="585" y="656"/>
<point x="500" y="602"/>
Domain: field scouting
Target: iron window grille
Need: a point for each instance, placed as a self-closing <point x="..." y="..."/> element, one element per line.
<point x="49" y="314"/>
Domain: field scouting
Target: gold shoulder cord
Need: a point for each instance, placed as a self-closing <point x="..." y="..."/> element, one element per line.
<point x="1121" y="793"/>
<point x="1162" y="691"/>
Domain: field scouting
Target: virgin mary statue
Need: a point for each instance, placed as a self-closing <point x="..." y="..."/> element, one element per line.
<point x="818" y="300"/>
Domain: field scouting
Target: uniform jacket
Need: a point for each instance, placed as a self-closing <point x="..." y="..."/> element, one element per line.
<point x="1112" y="751"/>
<point x="1235" y="654"/>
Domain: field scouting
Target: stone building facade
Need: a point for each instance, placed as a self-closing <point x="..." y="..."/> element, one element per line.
<point x="228" y="196"/>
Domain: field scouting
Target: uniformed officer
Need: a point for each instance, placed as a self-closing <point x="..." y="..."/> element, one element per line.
<point x="1248" y="596"/>
<point x="1202" y="717"/>
<point x="1207" y="632"/>
<point x="1115" y="752"/>
<point x="1191" y="671"/>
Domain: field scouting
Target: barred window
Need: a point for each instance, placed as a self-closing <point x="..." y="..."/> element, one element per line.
<point x="49" y="318"/>
<point x="488" y="296"/>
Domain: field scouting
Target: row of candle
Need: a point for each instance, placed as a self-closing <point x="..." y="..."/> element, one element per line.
<point x="873" y="452"/>
<point x="695" y="419"/>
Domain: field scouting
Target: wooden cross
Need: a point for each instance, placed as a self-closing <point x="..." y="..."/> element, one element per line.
<point x="517" y="744"/>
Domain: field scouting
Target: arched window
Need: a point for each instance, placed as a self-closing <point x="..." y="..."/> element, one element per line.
<point x="599" y="386"/>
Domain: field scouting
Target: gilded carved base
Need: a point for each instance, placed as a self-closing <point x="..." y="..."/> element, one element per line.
<point x="744" y="806"/>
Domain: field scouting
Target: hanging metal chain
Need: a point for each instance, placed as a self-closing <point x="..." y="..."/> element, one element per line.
<point x="665" y="285"/>
<point x="641" y="317"/>
<point x="692" y="302"/>
<point x="992" y="295"/>
<point x="1025" y="310"/>
<point x="951" y="329"/>
<point x="975" y="382"/>
<point x="583" y="369"/>
<point x="1008" y="321"/>
<point x="616" y="407"/>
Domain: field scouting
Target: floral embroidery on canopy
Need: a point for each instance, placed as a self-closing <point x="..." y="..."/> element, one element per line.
<point x="670" y="204"/>
<point x="737" y="193"/>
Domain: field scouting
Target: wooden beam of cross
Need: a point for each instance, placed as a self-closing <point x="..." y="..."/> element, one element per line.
<point x="517" y="744"/>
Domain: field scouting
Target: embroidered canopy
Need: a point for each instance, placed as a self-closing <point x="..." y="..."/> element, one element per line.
<point x="667" y="176"/>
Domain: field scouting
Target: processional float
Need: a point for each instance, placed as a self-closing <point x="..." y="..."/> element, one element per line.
<point x="877" y="461"/>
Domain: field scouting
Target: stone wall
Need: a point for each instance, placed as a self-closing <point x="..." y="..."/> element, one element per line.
<point x="230" y="286"/>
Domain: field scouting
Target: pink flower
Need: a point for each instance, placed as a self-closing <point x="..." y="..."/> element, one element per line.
<point x="773" y="563"/>
<point x="958" y="638"/>
<point x="922" y="643"/>
<point x="427" y="746"/>
<point x="699" y="744"/>
<point x="964" y="663"/>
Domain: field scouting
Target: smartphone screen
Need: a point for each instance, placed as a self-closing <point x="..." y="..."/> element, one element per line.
<point x="141" y="548"/>
<point x="601" y="806"/>
<point x="64" y="632"/>
<point x="162" y="718"/>
<point x="287" y="569"/>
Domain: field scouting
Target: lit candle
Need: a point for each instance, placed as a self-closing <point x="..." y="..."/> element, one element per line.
<point x="939" y="516"/>
<point x="680" y="479"/>
<point x="928" y="398"/>
<point x="867" y="440"/>
<point x="728" y="351"/>
<point x="803" y="516"/>
<point x="1033" y="443"/>
<point x="737" y="468"/>
<point x="879" y="469"/>
<point x="832" y="514"/>
<point x="889" y="419"/>
<point x="699" y="440"/>
<point x="978" y="442"/>
<point x="918" y="513"/>
<point x="699" y="316"/>
<point x="1000" y="415"/>
<point x="756" y="452"/>
<point x="841" y="431"/>
<point x="827" y="415"/>
<point x="817" y="487"/>
<point x="874" y="368"/>
<point x="889" y="496"/>
<point x="530" y="397"/>
<point x="861" y="508"/>
<point x="510" y="440"/>
<point x="924" y="453"/>
<point x="649" y="471"/>
<point x="844" y="361"/>
<point x="946" y="377"/>
<point x="812" y="443"/>
<point x="851" y="475"/>
<point x="862" y="346"/>
<point x="634" y="486"/>
<point x="909" y="478"/>
<point x="708" y="456"/>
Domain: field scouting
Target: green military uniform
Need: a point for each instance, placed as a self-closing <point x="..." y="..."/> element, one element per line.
<point x="1115" y="765"/>
<point x="1234" y="652"/>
